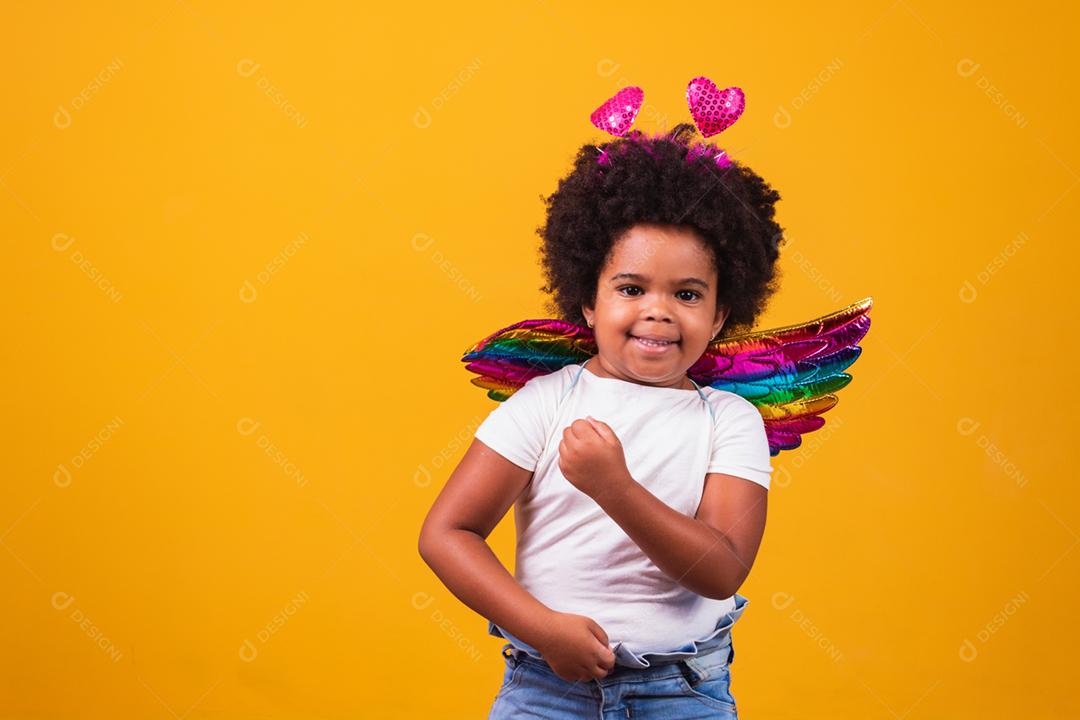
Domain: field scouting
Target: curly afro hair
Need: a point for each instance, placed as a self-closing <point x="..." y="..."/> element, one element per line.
<point x="663" y="179"/>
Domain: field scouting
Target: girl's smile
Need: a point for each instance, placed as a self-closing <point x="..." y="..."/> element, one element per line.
<point x="652" y="344"/>
<point x="655" y="310"/>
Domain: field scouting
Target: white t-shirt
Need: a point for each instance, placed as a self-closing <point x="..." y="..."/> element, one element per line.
<point x="570" y="554"/>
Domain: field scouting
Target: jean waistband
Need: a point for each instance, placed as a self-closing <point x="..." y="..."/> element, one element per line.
<point x="719" y="637"/>
<point x="701" y="664"/>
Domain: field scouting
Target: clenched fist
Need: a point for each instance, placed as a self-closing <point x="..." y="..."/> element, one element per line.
<point x="576" y="648"/>
<point x="591" y="458"/>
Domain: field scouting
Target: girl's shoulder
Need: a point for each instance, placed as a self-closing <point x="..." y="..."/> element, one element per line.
<point x="727" y="403"/>
<point x="548" y="387"/>
<point x="563" y="375"/>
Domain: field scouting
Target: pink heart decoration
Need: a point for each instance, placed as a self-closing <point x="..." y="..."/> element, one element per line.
<point x="714" y="110"/>
<point x="618" y="113"/>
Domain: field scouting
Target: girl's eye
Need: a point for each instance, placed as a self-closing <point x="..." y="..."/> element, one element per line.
<point x="694" y="295"/>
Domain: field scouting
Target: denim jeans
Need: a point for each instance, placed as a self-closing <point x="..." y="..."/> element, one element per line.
<point x="693" y="681"/>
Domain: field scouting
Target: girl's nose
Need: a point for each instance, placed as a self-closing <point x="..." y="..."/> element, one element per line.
<point x="658" y="311"/>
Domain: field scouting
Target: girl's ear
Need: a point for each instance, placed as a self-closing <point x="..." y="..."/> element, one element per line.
<point x="588" y="312"/>
<point x="721" y="317"/>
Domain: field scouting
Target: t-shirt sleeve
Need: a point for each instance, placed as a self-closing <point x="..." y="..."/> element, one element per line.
<point x="739" y="444"/>
<point x="517" y="428"/>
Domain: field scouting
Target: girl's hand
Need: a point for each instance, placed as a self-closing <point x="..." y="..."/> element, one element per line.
<point x="591" y="457"/>
<point x="576" y="648"/>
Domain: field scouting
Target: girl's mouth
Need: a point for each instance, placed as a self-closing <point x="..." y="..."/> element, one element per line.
<point x="654" y="347"/>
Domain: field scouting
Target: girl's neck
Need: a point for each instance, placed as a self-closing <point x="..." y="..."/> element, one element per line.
<point x="597" y="369"/>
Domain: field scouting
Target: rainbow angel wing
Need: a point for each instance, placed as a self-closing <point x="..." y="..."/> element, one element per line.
<point x="509" y="358"/>
<point x="791" y="373"/>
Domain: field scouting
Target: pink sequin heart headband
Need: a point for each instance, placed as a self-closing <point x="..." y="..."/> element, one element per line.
<point x="713" y="110"/>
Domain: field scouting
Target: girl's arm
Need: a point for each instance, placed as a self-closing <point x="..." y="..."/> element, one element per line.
<point x="710" y="553"/>
<point x="477" y="495"/>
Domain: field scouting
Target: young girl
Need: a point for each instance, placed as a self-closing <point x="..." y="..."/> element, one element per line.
<point x="640" y="495"/>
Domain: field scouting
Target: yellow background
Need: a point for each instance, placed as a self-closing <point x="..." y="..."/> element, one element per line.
<point x="247" y="245"/>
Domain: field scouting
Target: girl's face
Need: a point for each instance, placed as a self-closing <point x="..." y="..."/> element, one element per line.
<point x="658" y="283"/>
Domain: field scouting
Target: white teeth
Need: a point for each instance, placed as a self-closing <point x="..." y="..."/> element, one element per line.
<point x="656" y="343"/>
